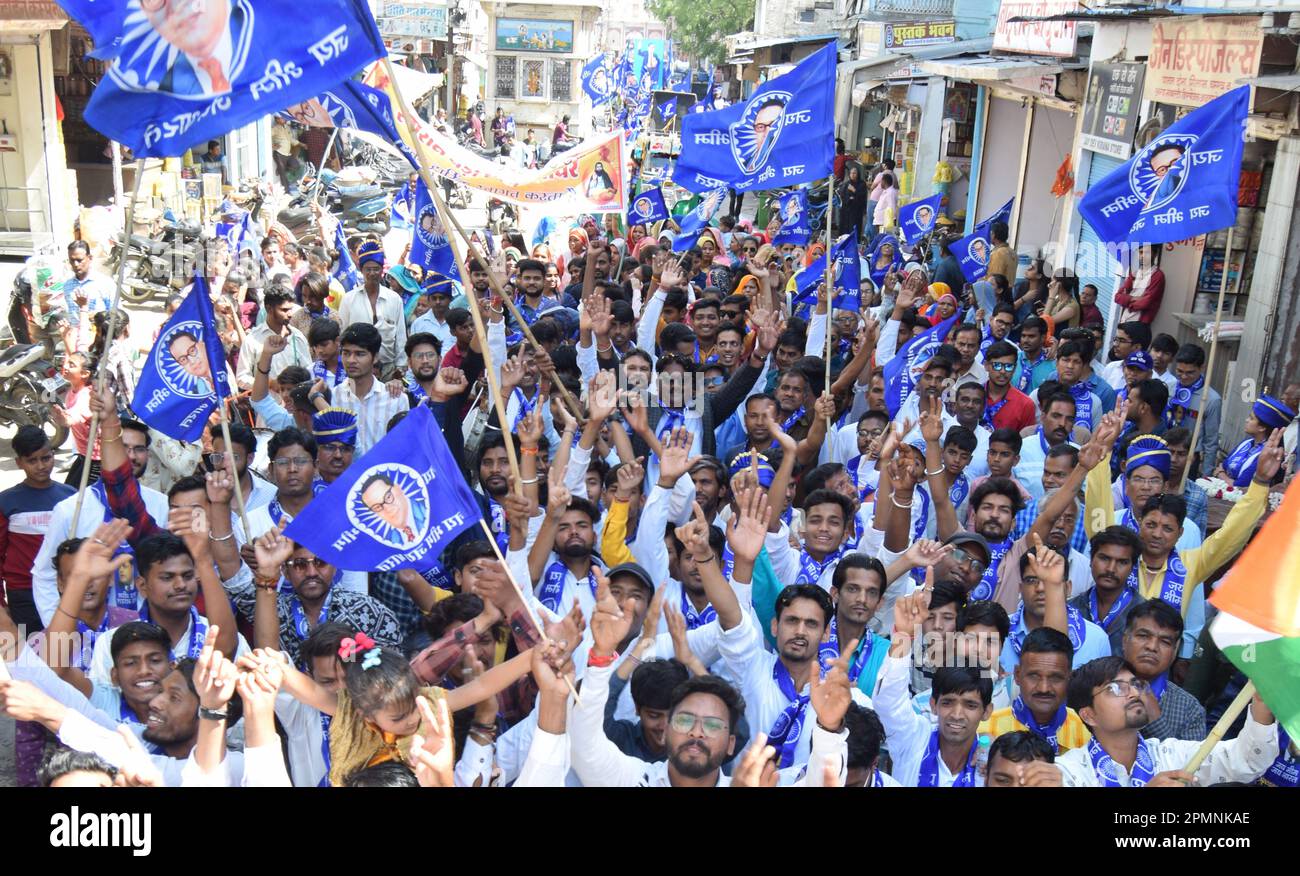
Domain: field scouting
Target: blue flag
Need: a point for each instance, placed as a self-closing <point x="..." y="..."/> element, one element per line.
<point x="345" y="271"/>
<point x="883" y="258"/>
<point x="1184" y="182"/>
<point x="848" y="276"/>
<point x="236" y="235"/>
<point x="697" y="220"/>
<point x="1002" y="214"/>
<point x="397" y="507"/>
<point x="795" y="225"/>
<point x="917" y="219"/>
<point x="430" y="248"/>
<point x="668" y="109"/>
<point x="597" y="80"/>
<point x="972" y="253"/>
<point x="185" y="376"/>
<point x="350" y="104"/>
<point x="902" y="371"/>
<point x="710" y="101"/>
<point x="783" y="135"/>
<point x="648" y="206"/>
<point x="184" y="73"/>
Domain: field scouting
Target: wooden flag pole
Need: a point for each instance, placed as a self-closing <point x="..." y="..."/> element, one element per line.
<point x="1216" y="735"/>
<point x="1209" y="367"/>
<point x="829" y="279"/>
<point x="102" y="376"/>
<point x="230" y="453"/>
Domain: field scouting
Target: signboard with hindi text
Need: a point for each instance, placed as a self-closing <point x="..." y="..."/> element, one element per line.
<point x="919" y="33"/>
<point x="1055" y="38"/>
<point x="411" y="19"/>
<point x="1195" y="60"/>
<point x="1110" y="112"/>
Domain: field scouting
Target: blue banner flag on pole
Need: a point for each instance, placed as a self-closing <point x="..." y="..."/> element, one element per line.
<point x="185" y="376"/>
<point x="597" y="80"/>
<point x="917" y="219"/>
<point x="710" y="101"/>
<point x="972" y="253"/>
<point x="397" y="507"/>
<point x="795" y="225"/>
<point x="345" y="271"/>
<point x="783" y="135"/>
<point x="848" y="276"/>
<point x="1002" y="214"/>
<point x="668" y="109"/>
<point x="903" y="371"/>
<point x="883" y="258"/>
<point x="430" y="248"/>
<point x="236" y="235"/>
<point x="184" y="72"/>
<point x="695" y="221"/>
<point x="1184" y="182"/>
<point x="648" y="206"/>
<point x="351" y="104"/>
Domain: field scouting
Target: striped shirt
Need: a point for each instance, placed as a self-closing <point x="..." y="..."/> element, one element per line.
<point x="373" y="412"/>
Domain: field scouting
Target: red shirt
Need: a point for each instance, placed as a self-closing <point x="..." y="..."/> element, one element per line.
<point x="1018" y="412"/>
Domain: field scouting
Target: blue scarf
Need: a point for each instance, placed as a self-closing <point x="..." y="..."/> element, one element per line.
<point x="553" y="584"/>
<point x="1173" y="587"/>
<point x="1121" y="603"/>
<point x="1284" y="772"/>
<point x="1159" y="685"/>
<point x="918" y="526"/>
<point x="1144" y="766"/>
<point x="526" y="405"/>
<point x="851" y="468"/>
<point x="88" y="636"/>
<point x="1047" y="731"/>
<point x="792" y="419"/>
<point x="1241" y="463"/>
<point x="318" y="371"/>
<point x="829" y="651"/>
<point x="989" y="580"/>
<point x="198" y="632"/>
<point x="728" y="562"/>
<point x="810" y="571"/>
<point x="325" y="748"/>
<point x="123" y="593"/>
<point x="785" y="733"/>
<point x="959" y="490"/>
<point x="673" y="418"/>
<point x="276" y="511"/>
<point x="1027" y="372"/>
<point x="415" y="389"/>
<point x="929" y="774"/>
<point x="992" y="410"/>
<point x="500" y="526"/>
<point x="1074" y="622"/>
<point x="299" y="619"/>
<point x="696" y="618"/>
<point x="1180" y="403"/>
<point x="1082" y="404"/>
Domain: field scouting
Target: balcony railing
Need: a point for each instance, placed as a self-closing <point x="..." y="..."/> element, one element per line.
<point x="912" y="7"/>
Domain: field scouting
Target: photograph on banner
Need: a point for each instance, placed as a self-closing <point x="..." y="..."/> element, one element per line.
<point x="534" y="35"/>
<point x="1110" y="112"/>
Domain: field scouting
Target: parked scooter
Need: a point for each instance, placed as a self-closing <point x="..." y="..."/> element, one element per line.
<point x="29" y="385"/>
<point x="158" y="265"/>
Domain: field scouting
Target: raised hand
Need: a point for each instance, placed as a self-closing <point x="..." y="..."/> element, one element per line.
<point x="550" y="681"/>
<point x="1045" y="564"/>
<point x="747" y="529"/>
<point x="832" y="694"/>
<point x="694" y="535"/>
<point x="681" y="644"/>
<point x="557" y="500"/>
<point x="602" y="395"/>
<point x="433" y="749"/>
<point x="601" y="317"/>
<point x="1038" y="774"/>
<point x="630" y="475"/>
<point x="610" y="625"/>
<point x="447" y="383"/>
<point x="671" y="275"/>
<point x="1270" y="459"/>
<point x="932" y="421"/>
<point x="650" y="626"/>
<point x="756" y="268"/>
<point x="276" y="344"/>
<point x="214" y="675"/>
<point x="272" y="550"/>
<point x="531" y="426"/>
<point x="94" y="559"/>
<point x="136" y="770"/>
<point x="757" y="767"/>
<point x="512" y="373"/>
<point x="824" y="407"/>
<point x="926" y="552"/>
<point x="676" y="459"/>
<point x="567" y="631"/>
<point x="219" y="486"/>
<point x="634" y="412"/>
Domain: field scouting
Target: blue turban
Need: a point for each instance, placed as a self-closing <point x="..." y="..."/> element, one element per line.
<point x="1148" y="450"/>
<point x="1272" y="412"/>
<point x="335" y="426"/>
<point x="370" y="251"/>
<point x="741" y="461"/>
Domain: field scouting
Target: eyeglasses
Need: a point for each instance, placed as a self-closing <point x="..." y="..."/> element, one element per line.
<point x="966" y="558"/>
<point x="1148" y="482"/>
<point x="191" y="355"/>
<point x="292" y="462"/>
<point x="216" y="460"/>
<point x="1120" y="687"/>
<point x="424" y="357"/>
<point x="730" y="315"/>
<point x="1002" y="366"/>
<point x="715" y="381"/>
<point x="684" y="722"/>
<point x="388" y="501"/>
<point x="337" y="449"/>
<point x="301" y="564"/>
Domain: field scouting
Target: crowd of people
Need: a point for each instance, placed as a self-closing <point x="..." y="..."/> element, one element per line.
<point x="716" y="557"/>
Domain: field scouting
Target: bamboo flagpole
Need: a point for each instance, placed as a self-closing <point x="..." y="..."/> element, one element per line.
<point x="1209" y="366"/>
<point x="1216" y="735"/>
<point x="829" y="279"/>
<point x="101" y="377"/>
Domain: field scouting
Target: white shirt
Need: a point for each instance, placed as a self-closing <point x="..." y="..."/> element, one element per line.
<point x="101" y="661"/>
<point x="1242" y="759"/>
<point x="296" y="352"/>
<point x="305" y="740"/>
<point x="373" y="412"/>
<point x="389" y="317"/>
<point x="261" y="495"/>
<point x="1113" y="374"/>
<point x="45" y="589"/>
<point x="907" y="733"/>
<point x="427" y="322"/>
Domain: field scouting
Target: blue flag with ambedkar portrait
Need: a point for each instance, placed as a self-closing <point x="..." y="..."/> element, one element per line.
<point x="783" y="135"/>
<point x="345" y="270"/>
<point x="185" y="376"/>
<point x="795" y="225"/>
<point x="647" y="206"/>
<point x="1184" y="183"/>
<point x="903" y="371"/>
<point x="351" y="104"/>
<point x="694" y="222"/>
<point x="397" y="507"/>
<point x="916" y="220"/>
<point x="184" y="72"/>
<point x="430" y="248"/>
<point x="848" y="276"/>
<point x="972" y="253"/>
<point x="598" y="80"/>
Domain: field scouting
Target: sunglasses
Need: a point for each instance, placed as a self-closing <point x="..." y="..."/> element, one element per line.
<point x="302" y="563"/>
<point x="1002" y="366"/>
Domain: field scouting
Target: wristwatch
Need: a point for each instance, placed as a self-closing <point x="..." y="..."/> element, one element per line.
<point x="212" y="714"/>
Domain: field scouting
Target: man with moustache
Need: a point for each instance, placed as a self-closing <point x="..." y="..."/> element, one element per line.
<point x="1043" y="679"/>
<point x="1152" y="634"/>
<point x="1113" y="556"/>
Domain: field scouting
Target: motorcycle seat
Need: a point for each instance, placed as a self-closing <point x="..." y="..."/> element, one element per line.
<point x="14" y="359"/>
<point x="154" y="247"/>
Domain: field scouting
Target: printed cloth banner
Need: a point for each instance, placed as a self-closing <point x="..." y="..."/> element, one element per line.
<point x="1184" y="183"/>
<point x="397" y="507"/>
<point x="589" y="178"/>
<point x="917" y="219"/>
<point x="902" y="371"/>
<point x="848" y="273"/>
<point x="184" y="72"/>
<point x="597" y="80"/>
<point x="795" y="225"/>
<point x="694" y="222"/>
<point x="185" y="376"/>
<point x="972" y="253"/>
<point x="782" y="135"/>
<point x="648" y="206"/>
<point x="430" y="248"/>
<point x="351" y="105"/>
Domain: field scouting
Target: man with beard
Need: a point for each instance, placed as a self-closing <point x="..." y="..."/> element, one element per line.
<point x="1152" y="634"/>
<point x="1043" y="679"/>
<point x="492" y="468"/>
<point x="856" y="588"/>
<point x="1006" y="406"/>
<point x="1110" y="698"/>
<point x="561" y="560"/>
<point x="1038" y="368"/>
<point x="712" y="491"/>
<point x="968" y="404"/>
<point x="1146" y="406"/>
<point x="1055" y="427"/>
<point x="1071" y="364"/>
<point x="439" y="388"/>
<point x="1114" y="555"/>
<point x="283" y="621"/>
<point x="257" y="491"/>
<point x="684" y="591"/>
<point x="532" y="301"/>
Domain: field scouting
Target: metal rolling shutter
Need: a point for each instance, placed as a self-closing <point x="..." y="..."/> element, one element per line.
<point x="1090" y="242"/>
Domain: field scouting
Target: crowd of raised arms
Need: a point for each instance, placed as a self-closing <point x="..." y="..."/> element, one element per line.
<point x="716" y="558"/>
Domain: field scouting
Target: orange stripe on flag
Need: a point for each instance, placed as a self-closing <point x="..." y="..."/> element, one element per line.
<point x="1263" y="586"/>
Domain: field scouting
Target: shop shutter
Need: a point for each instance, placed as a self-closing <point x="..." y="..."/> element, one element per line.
<point x="1089" y="242"/>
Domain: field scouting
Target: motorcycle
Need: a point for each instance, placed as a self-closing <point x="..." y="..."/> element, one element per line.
<point x="158" y="265"/>
<point x="36" y="307"/>
<point x="501" y="215"/>
<point x="29" y="385"/>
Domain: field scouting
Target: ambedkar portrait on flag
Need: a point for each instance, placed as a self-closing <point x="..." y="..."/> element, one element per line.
<point x="182" y="361"/>
<point x="390" y="503"/>
<point x="977" y="250"/>
<point x="184" y="48"/>
<point x="754" y="136"/>
<point x="1160" y="171"/>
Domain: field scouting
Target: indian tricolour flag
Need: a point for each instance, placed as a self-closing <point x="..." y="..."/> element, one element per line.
<point x="1258" y="627"/>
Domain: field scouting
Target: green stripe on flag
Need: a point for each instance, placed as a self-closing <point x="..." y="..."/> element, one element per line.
<point x="1271" y="661"/>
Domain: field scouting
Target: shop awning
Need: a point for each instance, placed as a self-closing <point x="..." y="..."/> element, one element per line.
<point x="989" y="68"/>
<point x="1274" y="81"/>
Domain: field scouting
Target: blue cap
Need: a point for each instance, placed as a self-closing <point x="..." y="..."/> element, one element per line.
<point x="1148" y="450"/>
<point x="370" y="251"/>
<point x="334" y="426"/>
<point x="1139" y="359"/>
<point x="742" y="461"/>
<point x="1272" y="412"/>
